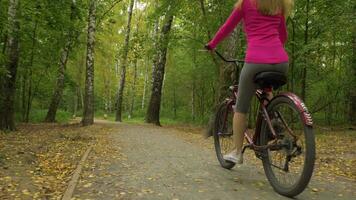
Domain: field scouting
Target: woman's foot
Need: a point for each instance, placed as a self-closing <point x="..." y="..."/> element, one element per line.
<point x="234" y="156"/>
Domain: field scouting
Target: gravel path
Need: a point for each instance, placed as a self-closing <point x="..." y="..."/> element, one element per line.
<point x="158" y="164"/>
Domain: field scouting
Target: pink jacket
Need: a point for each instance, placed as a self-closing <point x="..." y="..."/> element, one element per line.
<point x="266" y="35"/>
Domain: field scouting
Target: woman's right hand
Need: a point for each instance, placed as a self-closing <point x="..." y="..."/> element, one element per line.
<point x="209" y="48"/>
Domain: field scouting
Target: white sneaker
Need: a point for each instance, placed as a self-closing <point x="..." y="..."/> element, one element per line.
<point x="234" y="157"/>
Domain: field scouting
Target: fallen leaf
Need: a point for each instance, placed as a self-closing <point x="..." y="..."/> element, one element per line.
<point x="88" y="185"/>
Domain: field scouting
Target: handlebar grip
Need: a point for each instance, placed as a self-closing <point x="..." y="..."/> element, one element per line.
<point x="208" y="47"/>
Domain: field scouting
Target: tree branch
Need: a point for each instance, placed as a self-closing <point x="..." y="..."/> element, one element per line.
<point x="107" y="11"/>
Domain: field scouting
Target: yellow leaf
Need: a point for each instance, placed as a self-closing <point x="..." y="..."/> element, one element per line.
<point x="88" y="185"/>
<point x="26" y="192"/>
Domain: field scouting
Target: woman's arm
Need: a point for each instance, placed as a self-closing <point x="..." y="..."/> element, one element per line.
<point x="283" y="35"/>
<point x="227" y="28"/>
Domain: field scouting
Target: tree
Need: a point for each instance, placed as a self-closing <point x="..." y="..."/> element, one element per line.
<point x="153" y="111"/>
<point x="58" y="91"/>
<point x="124" y="65"/>
<point x="352" y="96"/>
<point x="7" y="99"/>
<point x="88" y="113"/>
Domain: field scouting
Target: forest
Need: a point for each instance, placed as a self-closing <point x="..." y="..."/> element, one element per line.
<point x="139" y="70"/>
<point x="135" y="60"/>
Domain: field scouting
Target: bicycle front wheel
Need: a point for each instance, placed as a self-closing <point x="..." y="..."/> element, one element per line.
<point x="223" y="134"/>
<point x="289" y="163"/>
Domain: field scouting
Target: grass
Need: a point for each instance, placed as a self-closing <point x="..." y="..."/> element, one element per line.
<point x="38" y="116"/>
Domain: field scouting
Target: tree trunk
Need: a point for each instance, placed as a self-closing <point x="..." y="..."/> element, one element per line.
<point x="306" y="41"/>
<point x="120" y="93"/>
<point x="293" y="57"/>
<point x="58" y="91"/>
<point x="107" y="91"/>
<point x="209" y="36"/>
<point x="153" y="111"/>
<point x="88" y="112"/>
<point x="29" y="95"/>
<point x="80" y="99"/>
<point x="133" y="90"/>
<point x="155" y="40"/>
<point x="7" y="99"/>
<point x="202" y="102"/>
<point x="193" y="107"/>
<point x="352" y="96"/>
<point x="23" y="95"/>
<point x="228" y="72"/>
<point x="174" y="103"/>
<point x="194" y="85"/>
<point x="144" y="88"/>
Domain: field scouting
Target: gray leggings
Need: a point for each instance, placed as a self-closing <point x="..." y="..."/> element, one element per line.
<point x="247" y="87"/>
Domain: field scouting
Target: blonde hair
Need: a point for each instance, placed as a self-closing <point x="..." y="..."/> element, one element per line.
<point x="270" y="7"/>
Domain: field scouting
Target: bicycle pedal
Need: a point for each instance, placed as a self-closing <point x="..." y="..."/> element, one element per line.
<point x="224" y="134"/>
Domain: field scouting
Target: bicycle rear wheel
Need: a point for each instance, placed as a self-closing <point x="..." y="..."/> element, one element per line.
<point x="289" y="165"/>
<point x="223" y="140"/>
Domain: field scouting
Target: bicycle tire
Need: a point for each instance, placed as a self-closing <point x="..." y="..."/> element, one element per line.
<point x="309" y="152"/>
<point x="219" y="119"/>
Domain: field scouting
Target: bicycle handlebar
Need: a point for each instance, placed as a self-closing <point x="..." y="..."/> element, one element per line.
<point x="225" y="59"/>
<point x="228" y="60"/>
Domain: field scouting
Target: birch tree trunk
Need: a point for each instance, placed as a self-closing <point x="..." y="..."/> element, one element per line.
<point x="145" y="87"/>
<point x="7" y="98"/>
<point x="88" y="112"/>
<point x="58" y="91"/>
<point x="120" y="93"/>
<point x="153" y="111"/>
<point x="133" y="91"/>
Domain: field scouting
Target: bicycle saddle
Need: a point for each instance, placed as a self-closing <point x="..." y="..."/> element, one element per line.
<point x="268" y="79"/>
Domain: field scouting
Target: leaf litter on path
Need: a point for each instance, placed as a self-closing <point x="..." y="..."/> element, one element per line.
<point x="37" y="161"/>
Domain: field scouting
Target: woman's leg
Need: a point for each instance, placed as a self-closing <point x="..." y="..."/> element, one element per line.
<point x="239" y="127"/>
<point x="247" y="89"/>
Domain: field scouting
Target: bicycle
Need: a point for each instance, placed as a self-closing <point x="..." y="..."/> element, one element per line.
<point x="283" y="137"/>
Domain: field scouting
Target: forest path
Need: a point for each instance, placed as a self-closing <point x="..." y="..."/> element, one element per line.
<point x="157" y="163"/>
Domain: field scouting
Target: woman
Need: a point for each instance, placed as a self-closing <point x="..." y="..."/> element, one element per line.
<point x="265" y="28"/>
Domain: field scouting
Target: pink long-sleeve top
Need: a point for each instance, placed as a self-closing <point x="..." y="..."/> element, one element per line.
<point x="266" y="35"/>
